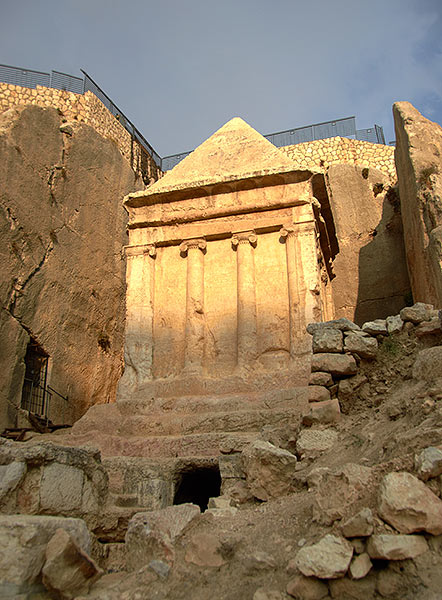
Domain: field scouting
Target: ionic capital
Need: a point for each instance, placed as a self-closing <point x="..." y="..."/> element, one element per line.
<point x="244" y="237"/>
<point x="286" y="232"/>
<point x="193" y="244"/>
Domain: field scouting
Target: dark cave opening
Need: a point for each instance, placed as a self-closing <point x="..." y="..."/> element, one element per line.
<point x="197" y="485"/>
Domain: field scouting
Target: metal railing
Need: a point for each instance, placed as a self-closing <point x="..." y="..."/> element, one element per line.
<point x="345" y="127"/>
<point x="37" y="399"/>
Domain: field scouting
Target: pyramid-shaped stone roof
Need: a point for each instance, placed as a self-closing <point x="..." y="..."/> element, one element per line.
<point x="234" y="152"/>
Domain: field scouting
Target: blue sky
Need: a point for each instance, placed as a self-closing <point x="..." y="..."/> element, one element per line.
<point x="179" y="69"/>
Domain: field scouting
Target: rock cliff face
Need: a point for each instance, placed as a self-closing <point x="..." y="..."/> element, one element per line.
<point x="418" y="164"/>
<point x="62" y="285"/>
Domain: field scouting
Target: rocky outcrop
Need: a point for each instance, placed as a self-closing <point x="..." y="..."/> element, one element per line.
<point x="62" y="277"/>
<point x="419" y="168"/>
<point x="368" y="225"/>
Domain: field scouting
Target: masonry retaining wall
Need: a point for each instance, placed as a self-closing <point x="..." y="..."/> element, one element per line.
<point x="339" y="150"/>
<point x="85" y="108"/>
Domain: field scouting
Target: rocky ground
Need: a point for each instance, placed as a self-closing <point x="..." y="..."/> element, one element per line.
<point x="340" y="504"/>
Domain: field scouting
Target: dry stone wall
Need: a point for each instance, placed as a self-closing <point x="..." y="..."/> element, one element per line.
<point x="339" y="150"/>
<point x="84" y="108"/>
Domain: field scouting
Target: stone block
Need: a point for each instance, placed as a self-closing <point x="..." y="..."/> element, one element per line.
<point x="365" y="347"/>
<point x="342" y="324"/>
<point x="315" y="441"/>
<point x="340" y="365"/>
<point x="151" y="535"/>
<point x="68" y="570"/>
<point x="417" y="313"/>
<point x="327" y="559"/>
<point x="360" y="525"/>
<point x="318" y="393"/>
<point x="269" y="470"/>
<point x="327" y="340"/>
<point x="325" y="412"/>
<point x="10" y="477"/>
<point x="376" y="327"/>
<point x="320" y="378"/>
<point x="394" y="324"/>
<point x="409" y="505"/>
<point x="23" y="541"/>
<point x="61" y="488"/>
<point x="360" y="566"/>
<point x="428" y="463"/>
<point x="307" y="588"/>
<point x="396" y="547"/>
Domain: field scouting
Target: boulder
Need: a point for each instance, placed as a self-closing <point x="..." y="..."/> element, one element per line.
<point x="365" y="347"/>
<point x="342" y="324"/>
<point x="376" y="327"/>
<point x="394" y="324"/>
<point x="327" y="340"/>
<point x="360" y="566"/>
<point x="320" y="378"/>
<point x="325" y="412"/>
<point x="425" y="328"/>
<point x="341" y="365"/>
<point x="428" y="364"/>
<point x="417" y="313"/>
<point x="428" y="463"/>
<point x="315" y="441"/>
<point x="327" y="559"/>
<point x="407" y="504"/>
<point x="307" y="588"/>
<point x="204" y="550"/>
<point x="396" y="547"/>
<point x="269" y="470"/>
<point x="68" y="570"/>
<point x="23" y="541"/>
<point x="361" y="525"/>
<point x="151" y="535"/>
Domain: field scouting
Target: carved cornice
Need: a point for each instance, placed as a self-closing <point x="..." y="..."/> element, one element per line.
<point x="141" y="250"/>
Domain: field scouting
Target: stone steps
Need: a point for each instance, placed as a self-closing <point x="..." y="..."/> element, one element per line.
<point x="162" y="447"/>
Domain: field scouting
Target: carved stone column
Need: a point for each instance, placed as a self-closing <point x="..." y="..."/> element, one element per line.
<point x="140" y="279"/>
<point x="294" y="278"/>
<point x="195" y="322"/>
<point x="247" y="341"/>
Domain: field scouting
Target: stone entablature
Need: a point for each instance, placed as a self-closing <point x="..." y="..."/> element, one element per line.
<point x="339" y="150"/>
<point x="84" y="108"/>
<point x="224" y="271"/>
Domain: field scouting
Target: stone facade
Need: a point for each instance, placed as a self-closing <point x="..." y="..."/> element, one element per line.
<point x="242" y="252"/>
<point x="339" y="150"/>
<point x="84" y="108"/>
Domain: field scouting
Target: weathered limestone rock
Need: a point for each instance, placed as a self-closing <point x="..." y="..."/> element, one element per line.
<point x="306" y="588"/>
<point x="11" y="476"/>
<point x="376" y="327"/>
<point x="370" y="245"/>
<point x="205" y="550"/>
<point x="318" y="393"/>
<point x="23" y="541"/>
<point x="50" y="250"/>
<point x="315" y="441"/>
<point x="327" y="559"/>
<point x="327" y="340"/>
<point x="417" y="313"/>
<point x="325" y="412"/>
<point x="409" y="505"/>
<point x="365" y="347"/>
<point x="428" y="364"/>
<point x="360" y="566"/>
<point x="361" y="525"/>
<point x="269" y="470"/>
<point x="68" y="570"/>
<point x="428" y="463"/>
<point x="319" y="378"/>
<point x="396" y="547"/>
<point x="417" y="156"/>
<point x="431" y="327"/>
<point x="394" y="324"/>
<point x="340" y="365"/>
<point x="337" y="490"/>
<point x="151" y="535"/>
<point x="343" y="324"/>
